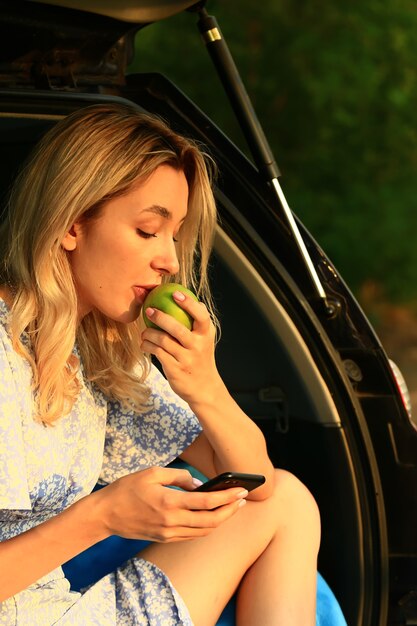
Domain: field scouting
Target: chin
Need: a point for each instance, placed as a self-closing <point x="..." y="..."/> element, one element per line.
<point x="128" y="316"/>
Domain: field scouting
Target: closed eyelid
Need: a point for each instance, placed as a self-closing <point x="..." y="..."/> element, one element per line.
<point x="145" y="234"/>
<point x="148" y="228"/>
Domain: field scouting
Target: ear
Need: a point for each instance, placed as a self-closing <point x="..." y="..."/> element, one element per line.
<point x="69" y="242"/>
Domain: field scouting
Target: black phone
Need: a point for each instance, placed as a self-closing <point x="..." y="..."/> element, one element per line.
<point x="232" y="479"/>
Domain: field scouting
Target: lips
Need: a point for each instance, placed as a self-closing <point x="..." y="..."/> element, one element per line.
<point x="142" y="292"/>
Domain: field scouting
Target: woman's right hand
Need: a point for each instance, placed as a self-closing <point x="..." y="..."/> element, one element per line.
<point x="141" y="506"/>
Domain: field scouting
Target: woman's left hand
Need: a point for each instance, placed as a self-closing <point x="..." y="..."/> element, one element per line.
<point x="186" y="356"/>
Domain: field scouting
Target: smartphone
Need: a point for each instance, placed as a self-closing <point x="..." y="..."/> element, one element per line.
<point x="232" y="479"/>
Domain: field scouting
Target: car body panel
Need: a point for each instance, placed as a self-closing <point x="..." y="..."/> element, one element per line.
<point x="135" y="11"/>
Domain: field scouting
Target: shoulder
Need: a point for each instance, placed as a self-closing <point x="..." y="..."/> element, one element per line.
<point x="6" y="295"/>
<point x="12" y="364"/>
<point x="5" y="341"/>
<point x="5" y="306"/>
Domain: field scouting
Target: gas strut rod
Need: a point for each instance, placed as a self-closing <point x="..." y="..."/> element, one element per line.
<point x="236" y="92"/>
<point x="252" y="130"/>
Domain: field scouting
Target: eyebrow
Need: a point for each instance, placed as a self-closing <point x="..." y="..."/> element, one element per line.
<point x="159" y="210"/>
<point x="162" y="211"/>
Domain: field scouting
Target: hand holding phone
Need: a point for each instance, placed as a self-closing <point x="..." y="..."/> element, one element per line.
<point x="227" y="480"/>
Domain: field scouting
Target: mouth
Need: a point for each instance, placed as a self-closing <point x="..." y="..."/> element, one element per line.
<point x="142" y="292"/>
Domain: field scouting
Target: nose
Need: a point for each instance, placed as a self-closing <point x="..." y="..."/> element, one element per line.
<point x="166" y="262"/>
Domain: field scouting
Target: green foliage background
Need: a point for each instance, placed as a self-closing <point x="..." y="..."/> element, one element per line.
<point x="334" y="86"/>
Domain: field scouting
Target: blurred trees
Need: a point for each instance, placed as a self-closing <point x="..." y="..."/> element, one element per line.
<point x="334" y="86"/>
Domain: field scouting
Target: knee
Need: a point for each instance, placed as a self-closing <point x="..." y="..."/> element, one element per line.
<point x="296" y="503"/>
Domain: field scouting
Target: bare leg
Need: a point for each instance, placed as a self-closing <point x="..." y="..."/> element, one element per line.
<point x="267" y="550"/>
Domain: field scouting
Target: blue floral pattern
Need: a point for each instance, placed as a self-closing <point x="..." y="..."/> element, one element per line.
<point x="43" y="470"/>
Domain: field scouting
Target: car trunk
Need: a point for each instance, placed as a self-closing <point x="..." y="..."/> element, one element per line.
<point x="318" y="385"/>
<point x="266" y="358"/>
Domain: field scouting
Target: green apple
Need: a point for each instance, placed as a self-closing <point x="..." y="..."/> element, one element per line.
<point x="161" y="298"/>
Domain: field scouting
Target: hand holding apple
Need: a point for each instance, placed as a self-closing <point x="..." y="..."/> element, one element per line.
<point x="161" y="298"/>
<point x="181" y="335"/>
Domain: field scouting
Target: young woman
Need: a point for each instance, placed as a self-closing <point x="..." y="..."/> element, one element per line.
<point x="112" y="204"/>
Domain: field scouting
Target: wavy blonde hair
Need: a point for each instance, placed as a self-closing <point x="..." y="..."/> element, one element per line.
<point x="91" y="156"/>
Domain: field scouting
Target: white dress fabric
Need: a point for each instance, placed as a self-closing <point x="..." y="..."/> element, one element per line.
<point x="43" y="470"/>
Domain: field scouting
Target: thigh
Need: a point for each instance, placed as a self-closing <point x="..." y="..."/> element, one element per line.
<point x="207" y="571"/>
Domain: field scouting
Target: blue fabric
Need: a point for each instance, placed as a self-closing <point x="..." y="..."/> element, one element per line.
<point x="107" y="555"/>
<point x="328" y="612"/>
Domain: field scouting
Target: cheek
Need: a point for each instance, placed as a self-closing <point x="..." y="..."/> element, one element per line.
<point x="109" y="257"/>
<point x="89" y="266"/>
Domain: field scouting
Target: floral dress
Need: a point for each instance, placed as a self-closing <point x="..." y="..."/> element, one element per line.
<point x="43" y="470"/>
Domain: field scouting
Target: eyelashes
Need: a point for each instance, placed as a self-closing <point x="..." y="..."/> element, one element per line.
<point x="146" y="235"/>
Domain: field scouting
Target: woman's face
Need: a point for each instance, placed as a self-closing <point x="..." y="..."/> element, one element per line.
<point x="119" y="257"/>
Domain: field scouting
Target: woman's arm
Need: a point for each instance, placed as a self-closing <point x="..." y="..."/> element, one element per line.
<point x="234" y="443"/>
<point x="200" y="455"/>
<point x="29" y="556"/>
<point x="137" y="506"/>
<point x="231" y="441"/>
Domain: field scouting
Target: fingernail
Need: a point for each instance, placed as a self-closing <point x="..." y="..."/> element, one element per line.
<point x="242" y="494"/>
<point x="149" y="312"/>
<point x="197" y="482"/>
<point x="178" y="295"/>
<point x="241" y="503"/>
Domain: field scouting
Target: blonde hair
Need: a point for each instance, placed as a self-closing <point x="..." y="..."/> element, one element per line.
<point x="93" y="155"/>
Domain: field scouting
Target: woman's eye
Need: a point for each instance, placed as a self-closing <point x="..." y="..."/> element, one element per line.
<point x="144" y="235"/>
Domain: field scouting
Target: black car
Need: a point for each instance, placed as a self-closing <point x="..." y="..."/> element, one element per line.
<point x="297" y="352"/>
